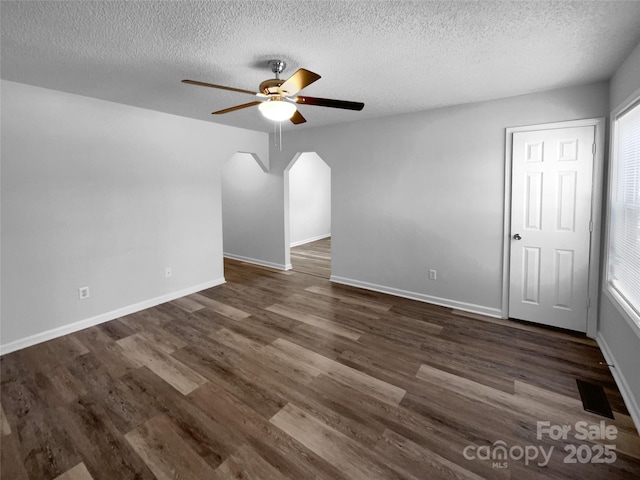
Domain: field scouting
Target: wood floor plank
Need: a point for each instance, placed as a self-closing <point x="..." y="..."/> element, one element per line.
<point x="11" y="464"/>
<point x="139" y="321"/>
<point x="264" y="363"/>
<point x="342" y="373"/>
<point x="303" y="372"/>
<point x="166" y="454"/>
<point x="237" y="341"/>
<point x="335" y="292"/>
<point x="100" y="445"/>
<point x="198" y="427"/>
<point x="246" y="463"/>
<point x="174" y="372"/>
<point x="125" y="409"/>
<point x="328" y="443"/>
<point x="438" y="433"/>
<point x="320" y="341"/>
<point x="314" y="321"/>
<point x="526" y="326"/>
<point x="191" y="332"/>
<point x="188" y="304"/>
<point x="341" y="313"/>
<point x="507" y="402"/>
<point x="416" y="460"/>
<point x="313" y="258"/>
<point x="226" y="368"/>
<point x="266" y="373"/>
<point x="115" y="329"/>
<point x="282" y="451"/>
<point x="221" y="308"/>
<point x="106" y="350"/>
<point x="378" y="365"/>
<point x="163" y="340"/>
<point x="67" y="386"/>
<point x="478" y="391"/>
<point x="484" y="376"/>
<point x="44" y="447"/>
<point x="67" y="347"/>
<point x="5" y="429"/>
<point x="79" y="472"/>
<point x="256" y="331"/>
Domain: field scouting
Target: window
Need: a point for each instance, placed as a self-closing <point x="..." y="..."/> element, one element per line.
<point x="623" y="260"/>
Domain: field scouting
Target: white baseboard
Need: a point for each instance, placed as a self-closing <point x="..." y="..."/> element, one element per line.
<point x="255" y="261"/>
<point x="309" y="240"/>
<point x="103" y="317"/>
<point x="421" y="297"/>
<point x="627" y="395"/>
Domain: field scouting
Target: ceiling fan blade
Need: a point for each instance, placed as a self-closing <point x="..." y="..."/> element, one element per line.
<point x="299" y="80"/>
<point x="297" y="118"/>
<point x="237" y="107"/>
<point x="222" y="87"/>
<point x="329" y="102"/>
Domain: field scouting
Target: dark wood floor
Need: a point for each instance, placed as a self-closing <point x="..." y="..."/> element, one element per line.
<point x="283" y="375"/>
<point x="313" y="258"/>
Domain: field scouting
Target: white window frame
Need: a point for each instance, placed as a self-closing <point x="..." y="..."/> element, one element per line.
<point x="622" y="305"/>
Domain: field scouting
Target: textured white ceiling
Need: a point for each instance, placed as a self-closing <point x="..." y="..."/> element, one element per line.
<point x="394" y="56"/>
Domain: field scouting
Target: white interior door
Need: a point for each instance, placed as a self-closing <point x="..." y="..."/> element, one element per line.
<point x="552" y="176"/>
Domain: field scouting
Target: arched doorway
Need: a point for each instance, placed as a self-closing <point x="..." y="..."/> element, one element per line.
<point x="308" y="214"/>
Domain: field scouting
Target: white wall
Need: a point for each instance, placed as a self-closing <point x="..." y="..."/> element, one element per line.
<point x="249" y="234"/>
<point x="626" y="79"/>
<point x="309" y="199"/>
<point x="617" y="338"/>
<point x="104" y="195"/>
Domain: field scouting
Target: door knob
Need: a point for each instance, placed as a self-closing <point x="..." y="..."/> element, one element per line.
<point x="517" y="237"/>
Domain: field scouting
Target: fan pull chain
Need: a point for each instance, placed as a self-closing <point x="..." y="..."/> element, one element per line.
<point x="275" y="133"/>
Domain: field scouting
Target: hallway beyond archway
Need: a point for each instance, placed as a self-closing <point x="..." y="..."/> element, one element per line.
<point x="313" y="258"/>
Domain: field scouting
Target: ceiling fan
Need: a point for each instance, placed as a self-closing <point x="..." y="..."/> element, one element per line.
<point x="278" y="98"/>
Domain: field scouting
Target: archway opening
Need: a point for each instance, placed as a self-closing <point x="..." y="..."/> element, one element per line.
<point x="308" y="211"/>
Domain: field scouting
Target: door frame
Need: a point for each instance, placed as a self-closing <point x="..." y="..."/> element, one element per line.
<point x="596" y="213"/>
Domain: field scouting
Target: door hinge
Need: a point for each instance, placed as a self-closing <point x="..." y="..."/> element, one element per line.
<point x="588" y="302"/>
<point x="591" y="226"/>
<point x="593" y="149"/>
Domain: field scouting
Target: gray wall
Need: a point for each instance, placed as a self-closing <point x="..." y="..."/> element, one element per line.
<point x="309" y="199"/>
<point x="104" y="195"/>
<point x="426" y="191"/>
<point x="619" y="340"/>
<point x="248" y="208"/>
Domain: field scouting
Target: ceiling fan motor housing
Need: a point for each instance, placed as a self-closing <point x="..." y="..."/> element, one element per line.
<point x="271" y="86"/>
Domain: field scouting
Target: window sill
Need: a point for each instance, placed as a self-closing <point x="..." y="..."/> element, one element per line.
<point x="632" y="318"/>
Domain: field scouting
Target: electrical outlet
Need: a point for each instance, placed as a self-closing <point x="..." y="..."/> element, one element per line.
<point x="168" y="272"/>
<point x="432" y="274"/>
<point x="83" y="292"/>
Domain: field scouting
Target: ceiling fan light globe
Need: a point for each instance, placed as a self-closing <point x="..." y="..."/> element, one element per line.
<point x="277" y="110"/>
